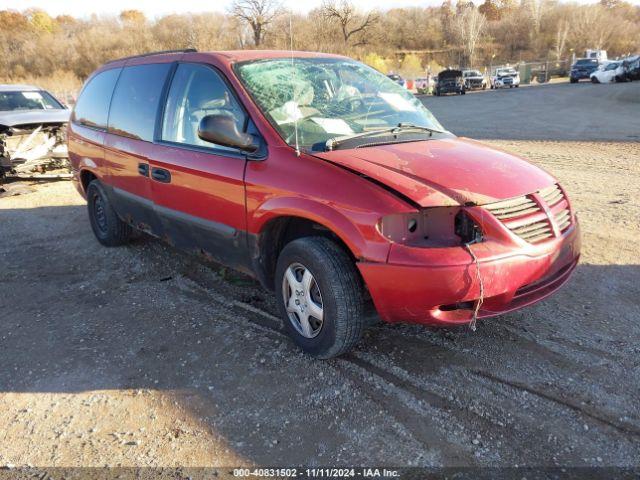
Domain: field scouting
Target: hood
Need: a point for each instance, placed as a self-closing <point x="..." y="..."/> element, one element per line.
<point x="15" y="118"/>
<point x="447" y="74"/>
<point x="452" y="171"/>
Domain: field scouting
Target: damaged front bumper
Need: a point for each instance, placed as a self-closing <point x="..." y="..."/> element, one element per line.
<point x="33" y="150"/>
<point x="440" y="286"/>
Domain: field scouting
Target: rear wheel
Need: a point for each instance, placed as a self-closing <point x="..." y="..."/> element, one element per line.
<point x="107" y="227"/>
<point x="320" y="296"/>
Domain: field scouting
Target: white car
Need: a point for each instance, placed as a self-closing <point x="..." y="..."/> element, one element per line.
<point x="608" y="73"/>
<point x="505" y="77"/>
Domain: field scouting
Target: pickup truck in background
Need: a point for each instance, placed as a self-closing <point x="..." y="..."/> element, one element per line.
<point x="582" y="69"/>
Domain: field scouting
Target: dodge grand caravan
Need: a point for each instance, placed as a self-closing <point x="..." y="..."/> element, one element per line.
<point x="326" y="181"/>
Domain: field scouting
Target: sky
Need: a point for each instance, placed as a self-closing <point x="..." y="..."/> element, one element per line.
<point x="155" y="8"/>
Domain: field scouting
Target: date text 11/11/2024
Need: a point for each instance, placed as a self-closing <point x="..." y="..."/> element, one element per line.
<point x="317" y="472"/>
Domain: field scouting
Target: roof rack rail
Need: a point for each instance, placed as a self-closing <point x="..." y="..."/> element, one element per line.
<point x="182" y="50"/>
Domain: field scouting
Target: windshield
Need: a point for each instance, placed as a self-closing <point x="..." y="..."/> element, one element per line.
<point x="507" y="71"/>
<point x="472" y="73"/>
<point x="28" y="100"/>
<point x="612" y="66"/>
<point x="589" y="62"/>
<point x="329" y="98"/>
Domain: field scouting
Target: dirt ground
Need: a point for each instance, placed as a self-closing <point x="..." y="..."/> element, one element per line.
<point x="142" y="356"/>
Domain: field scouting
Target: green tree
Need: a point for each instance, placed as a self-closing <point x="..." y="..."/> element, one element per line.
<point x="376" y="61"/>
<point x="411" y="66"/>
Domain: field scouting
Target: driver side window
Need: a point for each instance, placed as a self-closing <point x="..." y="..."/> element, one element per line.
<point x="197" y="91"/>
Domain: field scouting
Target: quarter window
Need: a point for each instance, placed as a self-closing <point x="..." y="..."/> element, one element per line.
<point x="197" y="91"/>
<point x="92" y="108"/>
<point x="135" y="102"/>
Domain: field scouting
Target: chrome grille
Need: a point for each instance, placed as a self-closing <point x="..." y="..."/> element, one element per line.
<point x="554" y="196"/>
<point x="525" y="218"/>
<point x="551" y="195"/>
<point x="522" y="216"/>
<point x="514" y="207"/>
<point x="563" y="219"/>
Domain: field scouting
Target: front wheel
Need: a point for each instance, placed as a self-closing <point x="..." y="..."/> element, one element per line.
<point x="321" y="296"/>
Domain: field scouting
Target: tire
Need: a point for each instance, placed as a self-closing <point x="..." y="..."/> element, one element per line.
<point x="339" y="294"/>
<point x="105" y="223"/>
<point x="573" y="80"/>
<point x="517" y="86"/>
<point x="594" y="80"/>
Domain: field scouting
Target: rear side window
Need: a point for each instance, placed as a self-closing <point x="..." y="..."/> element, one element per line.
<point x="135" y="102"/>
<point x="92" y="108"/>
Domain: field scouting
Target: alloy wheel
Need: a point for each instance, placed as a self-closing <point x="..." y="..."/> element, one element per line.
<point x="303" y="300"/>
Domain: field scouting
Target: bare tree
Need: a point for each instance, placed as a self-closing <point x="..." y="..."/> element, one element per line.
<point x="258" y="14"/>
<point x="470" y="25"/>
<point x="351" y="23"/>
<point x="593" y="28"/>
<point x="561" y="38"/>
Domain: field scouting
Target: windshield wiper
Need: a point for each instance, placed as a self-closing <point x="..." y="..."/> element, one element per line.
<point x="333" y="143"/>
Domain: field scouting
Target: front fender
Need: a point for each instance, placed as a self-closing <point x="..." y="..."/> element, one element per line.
<point x="355" y="228"/>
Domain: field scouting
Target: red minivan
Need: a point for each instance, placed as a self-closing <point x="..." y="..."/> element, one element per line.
<point x="325" y="180"/>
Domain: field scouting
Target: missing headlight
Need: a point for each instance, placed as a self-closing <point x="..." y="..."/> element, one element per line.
<point x="466" y="228"/>
<point x="431" y="227"/>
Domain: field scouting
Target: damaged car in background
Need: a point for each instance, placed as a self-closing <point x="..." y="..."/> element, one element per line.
<point x="474" y="79"/>
<point x="450" y="81"/>
<point x="32" y="133"/>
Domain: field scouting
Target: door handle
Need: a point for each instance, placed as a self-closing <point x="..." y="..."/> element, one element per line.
<point x="161" y="175"/>
<point x="143" y="169"/>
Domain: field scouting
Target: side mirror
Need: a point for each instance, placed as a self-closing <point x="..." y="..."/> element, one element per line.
<point x="222" y="130"/>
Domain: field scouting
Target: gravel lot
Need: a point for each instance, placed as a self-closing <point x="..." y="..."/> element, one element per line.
<point x="142" y="356"/>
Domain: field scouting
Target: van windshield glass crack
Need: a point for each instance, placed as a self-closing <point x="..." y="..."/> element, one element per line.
<point x="329" y="98"/>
